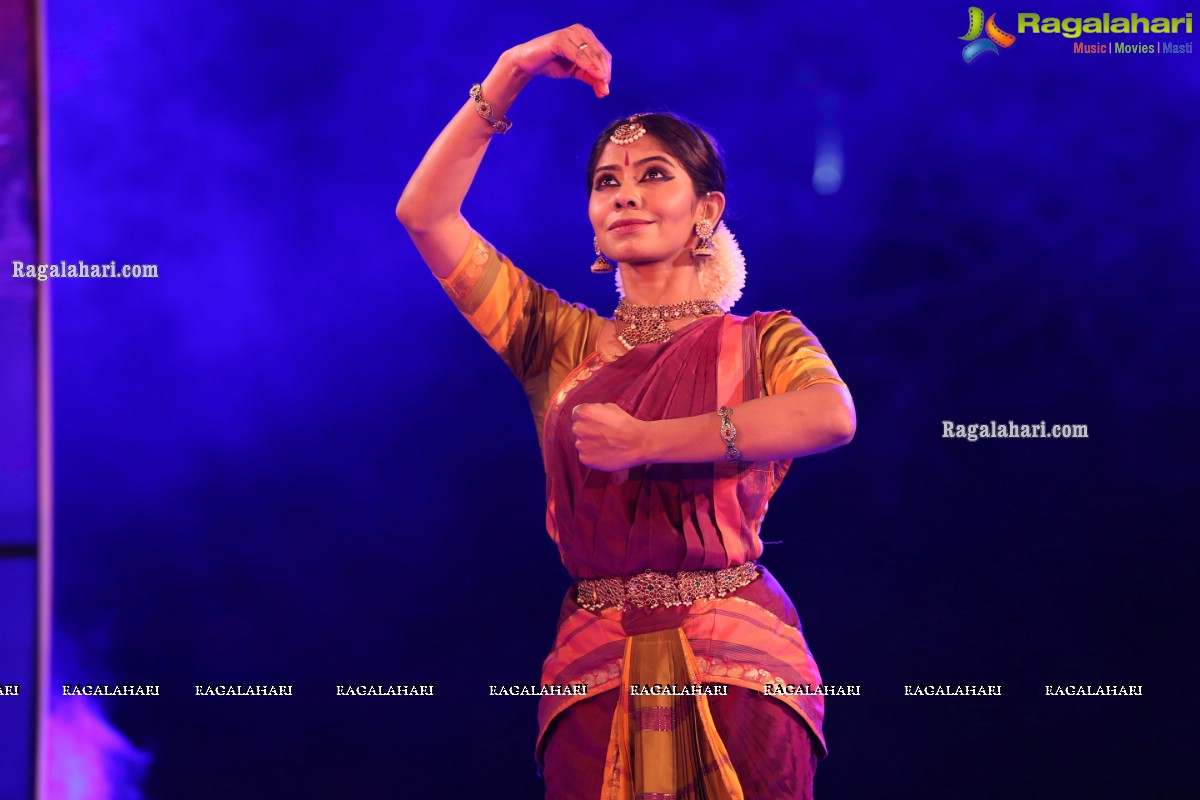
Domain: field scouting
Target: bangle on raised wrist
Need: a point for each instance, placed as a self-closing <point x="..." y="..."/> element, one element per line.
<point x="728" y="434"/>
<point x="484" y="109"/>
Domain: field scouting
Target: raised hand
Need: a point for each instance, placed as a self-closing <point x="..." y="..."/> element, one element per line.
<point x="431" y="205"/>
<point x="572" y="52"/>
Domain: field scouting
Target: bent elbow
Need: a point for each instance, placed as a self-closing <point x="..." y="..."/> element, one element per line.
<point x="418" y="221"/>
<point x="412" y="212"/>
<point x="842" y="426"/>
<point x="404" y="213"/>
<point x="847" y="433"/>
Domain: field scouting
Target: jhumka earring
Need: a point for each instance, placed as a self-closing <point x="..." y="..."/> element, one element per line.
<point x="601" y="264"/>
<point x="704" y="232"/>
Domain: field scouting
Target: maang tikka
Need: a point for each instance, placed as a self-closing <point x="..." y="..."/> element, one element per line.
<point x="628" y="131"/>
<point x="601" y="264"/>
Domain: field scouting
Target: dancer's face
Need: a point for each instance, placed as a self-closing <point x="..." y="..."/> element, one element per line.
<point x="643" y="204"/>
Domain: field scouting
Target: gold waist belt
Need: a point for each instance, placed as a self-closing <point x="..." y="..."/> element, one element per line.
<point x="652" y="589"/>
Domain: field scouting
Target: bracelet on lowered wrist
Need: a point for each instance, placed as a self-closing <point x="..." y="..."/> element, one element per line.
<point x="728" y="434"/>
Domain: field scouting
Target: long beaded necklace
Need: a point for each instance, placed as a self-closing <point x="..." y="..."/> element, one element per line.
<point x="645" y="324"/>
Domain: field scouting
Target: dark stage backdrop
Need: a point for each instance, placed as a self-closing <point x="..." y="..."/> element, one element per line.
<point x="287" y="460"/>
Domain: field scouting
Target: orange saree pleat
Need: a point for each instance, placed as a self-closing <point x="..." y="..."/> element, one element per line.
<point x="665" y="746"/>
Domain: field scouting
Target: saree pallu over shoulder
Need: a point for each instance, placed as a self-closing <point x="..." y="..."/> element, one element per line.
<point x="664" y="517"/>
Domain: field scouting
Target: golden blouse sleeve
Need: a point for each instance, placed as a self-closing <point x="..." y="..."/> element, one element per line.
<point x="540" y="336"/>
<point x="792" y="358"/>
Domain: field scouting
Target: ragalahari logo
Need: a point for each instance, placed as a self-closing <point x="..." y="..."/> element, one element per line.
<point x="995" y="36"/>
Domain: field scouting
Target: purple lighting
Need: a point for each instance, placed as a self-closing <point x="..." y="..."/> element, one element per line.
<point x="89" y="758"/>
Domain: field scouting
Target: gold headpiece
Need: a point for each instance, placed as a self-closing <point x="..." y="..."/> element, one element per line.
<point x="628" y="131"/>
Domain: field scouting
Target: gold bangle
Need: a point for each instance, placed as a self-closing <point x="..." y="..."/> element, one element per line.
<point x="484" y="109"/>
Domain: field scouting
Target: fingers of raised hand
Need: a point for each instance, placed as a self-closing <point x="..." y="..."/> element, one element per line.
<point x="597" y="53"/>
<point x="593" y="60"/>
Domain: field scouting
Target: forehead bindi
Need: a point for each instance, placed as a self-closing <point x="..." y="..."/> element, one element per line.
<point x="631" y="155"/>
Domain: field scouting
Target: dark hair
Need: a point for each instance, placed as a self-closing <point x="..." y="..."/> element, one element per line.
<point x="690" y="144"/>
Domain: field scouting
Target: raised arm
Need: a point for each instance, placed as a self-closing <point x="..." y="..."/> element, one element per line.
<point x="431" y="206"/>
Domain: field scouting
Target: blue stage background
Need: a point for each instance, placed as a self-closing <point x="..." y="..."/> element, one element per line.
<point x="288" y="460"/>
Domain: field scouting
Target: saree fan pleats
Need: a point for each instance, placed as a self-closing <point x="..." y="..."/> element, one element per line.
<point x="664" y="744"/>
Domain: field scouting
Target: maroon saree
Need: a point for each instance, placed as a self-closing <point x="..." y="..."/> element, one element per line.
<point x="664" y="517"/>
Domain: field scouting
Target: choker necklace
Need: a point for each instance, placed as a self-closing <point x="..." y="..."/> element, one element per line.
<point x="647" y="324"/>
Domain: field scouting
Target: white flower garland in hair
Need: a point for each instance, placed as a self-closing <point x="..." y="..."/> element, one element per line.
<point x="722" y="275"/>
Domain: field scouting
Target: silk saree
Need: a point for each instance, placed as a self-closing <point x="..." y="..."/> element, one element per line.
<point x="664" y="517"/>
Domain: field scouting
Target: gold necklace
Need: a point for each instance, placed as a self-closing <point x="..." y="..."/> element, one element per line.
<point x="645" y="324"/>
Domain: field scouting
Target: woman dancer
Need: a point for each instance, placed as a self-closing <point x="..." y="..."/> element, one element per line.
<point x="664" y="431"/>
